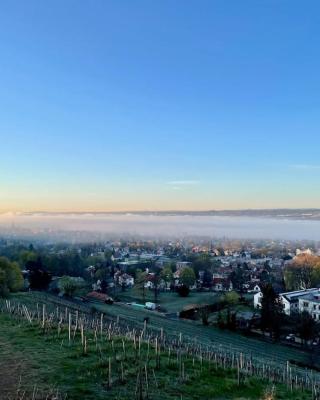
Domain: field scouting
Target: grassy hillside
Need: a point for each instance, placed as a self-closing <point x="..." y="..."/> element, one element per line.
<point x="42" y="357"/>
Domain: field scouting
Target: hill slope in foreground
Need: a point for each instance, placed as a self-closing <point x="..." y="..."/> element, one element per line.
<point x="80" y="365"/>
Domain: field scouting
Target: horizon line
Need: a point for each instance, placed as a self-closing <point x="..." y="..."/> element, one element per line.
<point x="161" y="211"/>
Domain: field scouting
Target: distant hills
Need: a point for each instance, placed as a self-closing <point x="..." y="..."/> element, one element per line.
<point x="278" y="213"/>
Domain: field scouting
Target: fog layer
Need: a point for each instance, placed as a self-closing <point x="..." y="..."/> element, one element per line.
<point x="151" y="225"/>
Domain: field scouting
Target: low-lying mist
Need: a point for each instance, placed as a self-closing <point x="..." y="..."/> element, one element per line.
<point x="165" y="226"/>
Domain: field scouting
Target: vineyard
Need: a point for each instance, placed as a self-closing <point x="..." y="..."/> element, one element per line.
<point x="94" y="356"/>
<point x="207" y="336"/>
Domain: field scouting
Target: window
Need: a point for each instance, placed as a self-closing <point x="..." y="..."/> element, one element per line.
<point x="314" y="307"/>
<point x="314" y="316"/>
<point x="305" y="304"/>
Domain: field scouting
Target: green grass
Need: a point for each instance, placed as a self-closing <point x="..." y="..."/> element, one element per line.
<point x="134" y="294"/>
<point x="47" y="361"/>
<point x="171" y="301"/>
<point x="175" y="303"/>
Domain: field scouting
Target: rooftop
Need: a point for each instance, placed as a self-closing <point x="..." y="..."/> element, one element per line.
<point x="311" y="297"/>
<point x="292" y="296"/>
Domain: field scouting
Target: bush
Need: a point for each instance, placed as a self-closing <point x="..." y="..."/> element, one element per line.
<point x="204" y="313"/>
<point x="68" y="285"/>
<point x="230" y="298"/>
<point x="183" y="291"/>
<point x="220" y="321"/>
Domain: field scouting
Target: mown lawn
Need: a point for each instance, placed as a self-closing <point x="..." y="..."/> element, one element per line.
<point x="175" y="303"/>
<point x="171" y="301"/>
<point x="46" y="360"/>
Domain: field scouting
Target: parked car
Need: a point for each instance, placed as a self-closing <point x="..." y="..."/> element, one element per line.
<point x="291" y="337"/>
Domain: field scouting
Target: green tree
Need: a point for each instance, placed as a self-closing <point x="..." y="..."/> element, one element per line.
<point x="238" y="278"/>
<point x="231" y="298"/>
<point x="187" y="277"/>
<point x="27" y="255"/>
<point x="4" y="290"/>
<point x="11" y="279"/>
<point x="203" y="262"/>
<point x="140" y="281"/>
<point x="204" y="315"/>
<point x="303" y="272"/>
<point x="220" y="321"/>
<point x="183" y="291"/>
<point x="306" y="326"/>
<point x="102" y="273"/>
<point x="68" y="285"/>
<point x="166" y="274"/>
<point x="15" y="278"/>
<point x="271" y="311"/>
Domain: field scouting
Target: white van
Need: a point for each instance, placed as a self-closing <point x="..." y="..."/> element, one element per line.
<point x="150" y="306"/>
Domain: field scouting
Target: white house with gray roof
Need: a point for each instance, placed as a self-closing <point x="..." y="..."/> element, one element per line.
<point x="311" y="303"/>
<point x="297" y="301"/>
<point x="291" y="300"/>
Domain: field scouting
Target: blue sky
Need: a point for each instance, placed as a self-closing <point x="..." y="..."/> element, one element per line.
<point x="126" y="105"/>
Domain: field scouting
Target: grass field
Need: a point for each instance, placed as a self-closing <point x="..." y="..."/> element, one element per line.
<point x="175" y="303"/>
<point x="45" y="360"/>
<point x="171" y="301"/>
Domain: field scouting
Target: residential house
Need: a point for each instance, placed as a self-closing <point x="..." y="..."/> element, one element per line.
<point x="253" y="287"/>
<point x="311" y="304"/>
<point x="182" y="264"/>
<point x="291" y="301"/>
<point x="221" y="285"/>
<point x="126" y="280"/>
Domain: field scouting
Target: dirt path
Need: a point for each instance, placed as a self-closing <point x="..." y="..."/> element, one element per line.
<point x="12" y="367"/>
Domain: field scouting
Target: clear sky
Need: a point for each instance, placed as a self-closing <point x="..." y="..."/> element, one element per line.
<point x="189" y="104"/>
